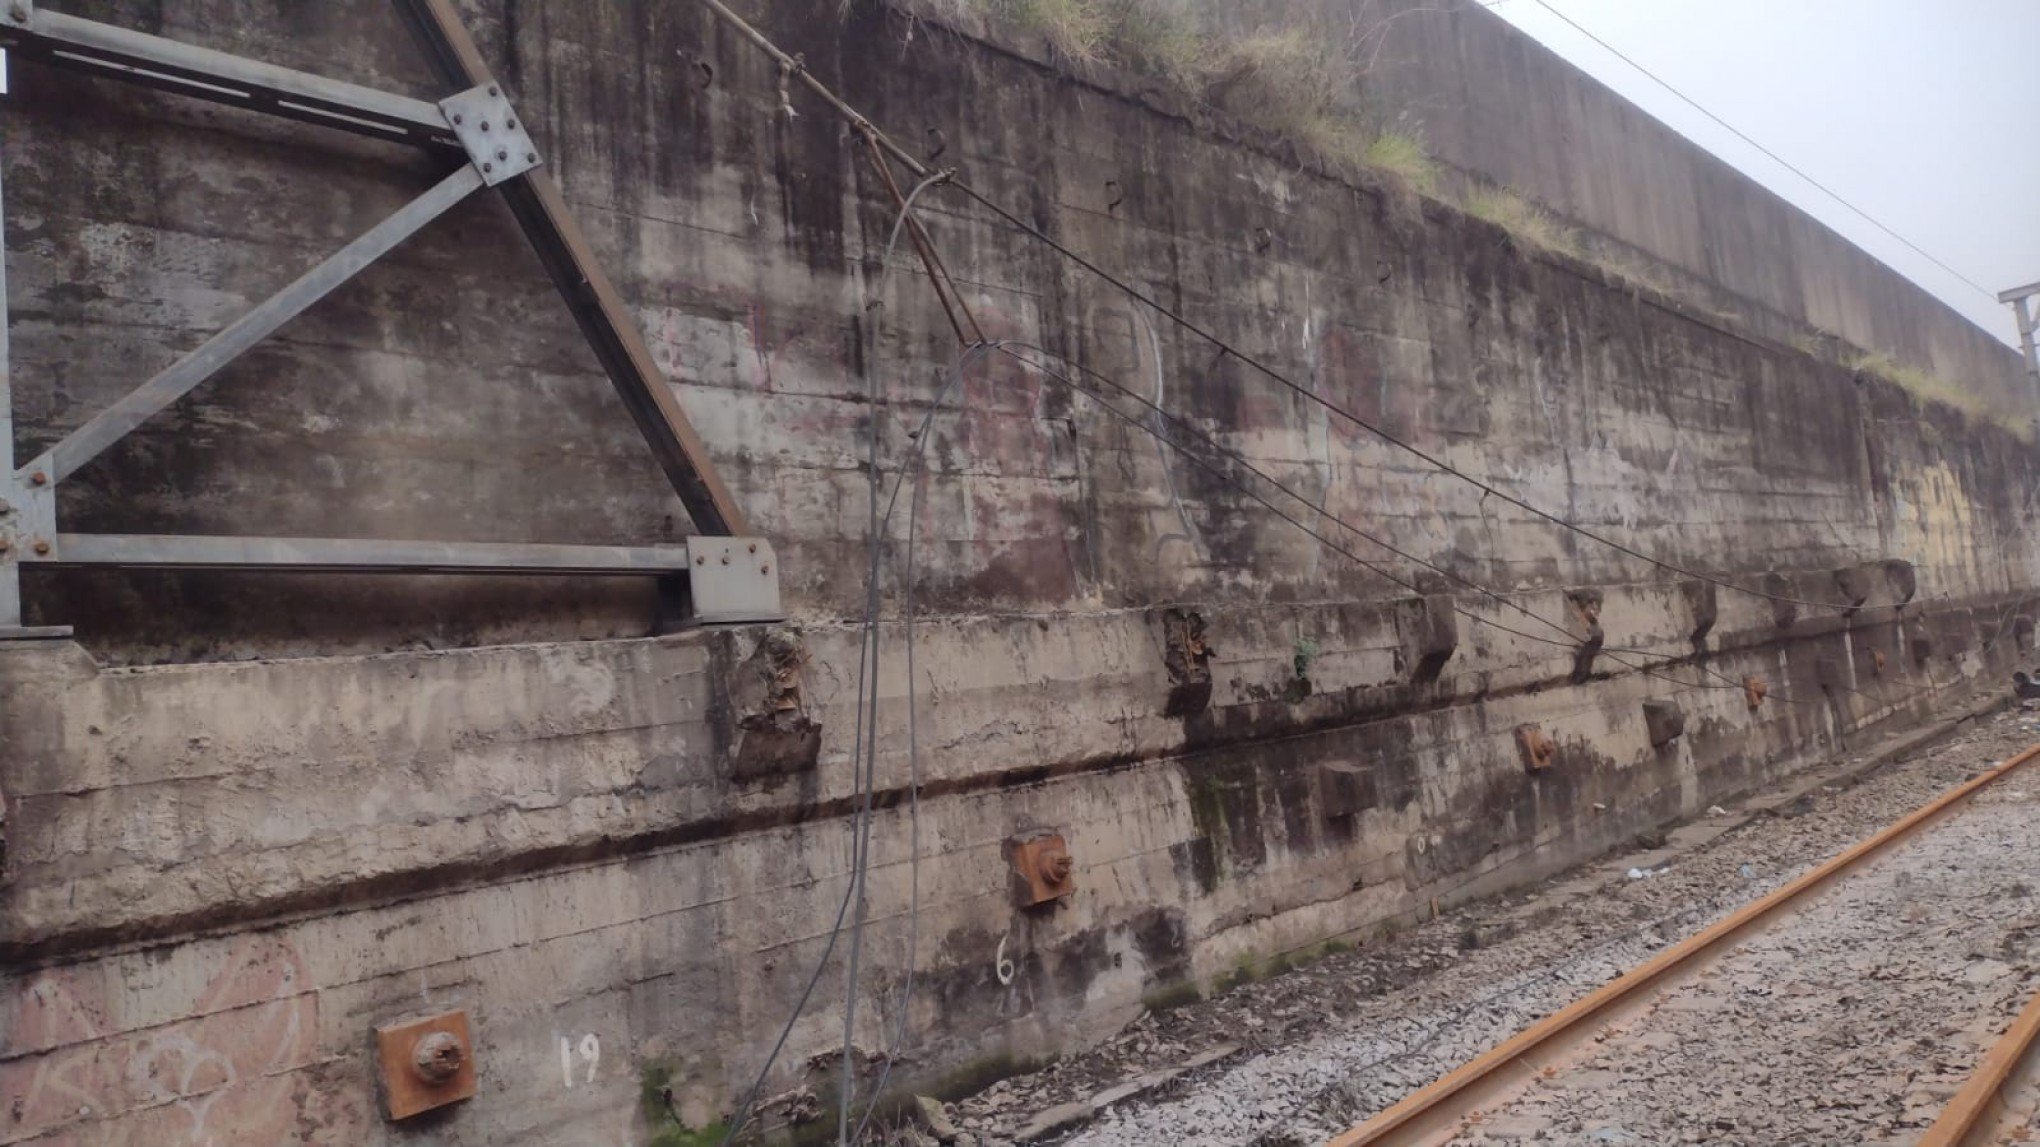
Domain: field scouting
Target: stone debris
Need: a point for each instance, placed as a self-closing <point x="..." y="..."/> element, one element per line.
<point x="1344" y="1037"/>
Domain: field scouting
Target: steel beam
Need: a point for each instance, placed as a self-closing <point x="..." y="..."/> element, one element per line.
<point x="158" y="551"/>
<point x="179" y="378"/>
<point x="2017" y="293"/>
<point x="10" y="569"/>
<point x="153" y="61"/>
<point x="605" y="320"/>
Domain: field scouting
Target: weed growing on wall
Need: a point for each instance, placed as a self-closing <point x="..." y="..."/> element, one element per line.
<point x="1522" y="218"/>
<point x="1300" y="85"/>
<point x="1930" y="387"/>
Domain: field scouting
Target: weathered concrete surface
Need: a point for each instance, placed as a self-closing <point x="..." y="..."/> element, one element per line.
<point x="1496" y="103"/>
<point x="222" y="874"/>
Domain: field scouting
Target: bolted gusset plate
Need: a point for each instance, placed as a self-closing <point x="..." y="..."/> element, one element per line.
<point x="733" y="580"/>
<point x="494" y="137"/>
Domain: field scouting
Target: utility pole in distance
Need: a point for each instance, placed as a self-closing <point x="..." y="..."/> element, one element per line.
<point x="2021" y="299"/>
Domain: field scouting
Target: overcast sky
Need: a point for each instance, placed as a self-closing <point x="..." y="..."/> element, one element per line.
<point x="1924" y="113"/>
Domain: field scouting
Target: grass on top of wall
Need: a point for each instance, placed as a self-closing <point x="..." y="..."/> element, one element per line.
<point x="1930" y="387"/>
<point x="1299" y="83"/>
<point x="1296" y="83"/>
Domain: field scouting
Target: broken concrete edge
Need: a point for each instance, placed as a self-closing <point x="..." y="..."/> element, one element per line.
<point x="1066" y="1116"/>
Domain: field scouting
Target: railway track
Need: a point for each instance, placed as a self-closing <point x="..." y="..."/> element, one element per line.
<point x="1862" y="1001"/>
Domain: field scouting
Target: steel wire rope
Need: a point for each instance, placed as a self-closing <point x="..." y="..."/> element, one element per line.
<point x="1780" y="160"/>
<point x="866" y="658"/>
<point x="1387" y="436"/>
<point x="862" y="123"/>
<point x="976" y="352"/>
<point x="1611" y="652"/>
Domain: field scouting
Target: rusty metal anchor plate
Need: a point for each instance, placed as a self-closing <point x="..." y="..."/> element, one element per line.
<point x="425" y="1063"/>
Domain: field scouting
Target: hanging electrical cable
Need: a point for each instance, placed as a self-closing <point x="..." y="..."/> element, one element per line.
<point x="914" y="164"/>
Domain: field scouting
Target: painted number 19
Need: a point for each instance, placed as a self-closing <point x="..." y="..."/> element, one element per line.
<point x="591" y="1054"/>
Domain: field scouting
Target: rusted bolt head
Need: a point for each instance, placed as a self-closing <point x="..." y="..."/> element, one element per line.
<point x="754" y="547"/>
<point x="531" y="157"/>
<point x="701" y="561"/>
<point x="42" y="547"/>
<point x="485" y="125"/>
<point x="456" y="118"/>
<point x="494" y="91"/>
<point x="1056" y="867"/>
<point x="766" y="568"/>
<point x="726" y="559"/>
<point x="488" y="167"/>
<point x="39" y="478"/>
<point x="438" y="1057"/>
<point x="510" y="124"/>
<point x="503" y="153"/>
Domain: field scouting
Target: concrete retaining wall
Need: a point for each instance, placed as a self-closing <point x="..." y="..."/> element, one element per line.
<point x="249" y="819"/>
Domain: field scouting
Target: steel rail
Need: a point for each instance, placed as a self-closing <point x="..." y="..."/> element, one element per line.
<point x="1979" y="1114"/>
<point x="1433" y="1112"/>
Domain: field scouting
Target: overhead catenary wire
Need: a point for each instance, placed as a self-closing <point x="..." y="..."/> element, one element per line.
<point x="866" y="733"/>
<point x="862" y="124"/>
<point x="1780" y="160"/>
<point x="866" y="679"/>
<point x="1374" y="567"/>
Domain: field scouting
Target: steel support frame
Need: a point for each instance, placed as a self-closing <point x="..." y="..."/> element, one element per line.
<point x="2022" y="300"/>
<point x="476" y="125"/>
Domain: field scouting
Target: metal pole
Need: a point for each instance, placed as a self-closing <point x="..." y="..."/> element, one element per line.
<point x="2027" y="342"/>
<point x="10" y="559"/>
<point x="59" y="40"/>
<point x="181" y="377"/>
<point x="2021" y="299"/>
<point x="189" y="551"/>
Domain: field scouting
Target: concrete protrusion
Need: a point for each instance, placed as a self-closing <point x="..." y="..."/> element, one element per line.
<point x="1536" y="748"/>
<point x="1703" y="602"/>
<point x="1664" y="720"/>
<point x="1904" y="582"/>
<point x="773" y="734"/>
<point x="1345" y="789"/>
<point x="1430" y="636"/>
<point x="1856" y="583"/>
<point x="1783" y="612"/>
<point x="1043" y="870"/>
<point x="1586" y="606"/>
<point x="1754" y="689"/>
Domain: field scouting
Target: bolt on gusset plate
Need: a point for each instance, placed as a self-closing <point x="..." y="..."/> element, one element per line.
<point x="495" y="139"/>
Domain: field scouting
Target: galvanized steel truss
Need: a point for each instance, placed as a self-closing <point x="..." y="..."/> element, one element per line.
<point x="476" y="126"/>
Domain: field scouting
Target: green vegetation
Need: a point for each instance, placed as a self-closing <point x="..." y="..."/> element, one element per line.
<point x="655" y="1097"/>
<point x="1403" y="153"/>
<point x="1299" y="85"/>
<point x="1526" y="220"/>
<point x="1930" y="387"/>
<point x="1172" y="997"/>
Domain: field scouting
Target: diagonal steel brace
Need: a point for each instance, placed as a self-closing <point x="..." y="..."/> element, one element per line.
<point x="541" y="210"/>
